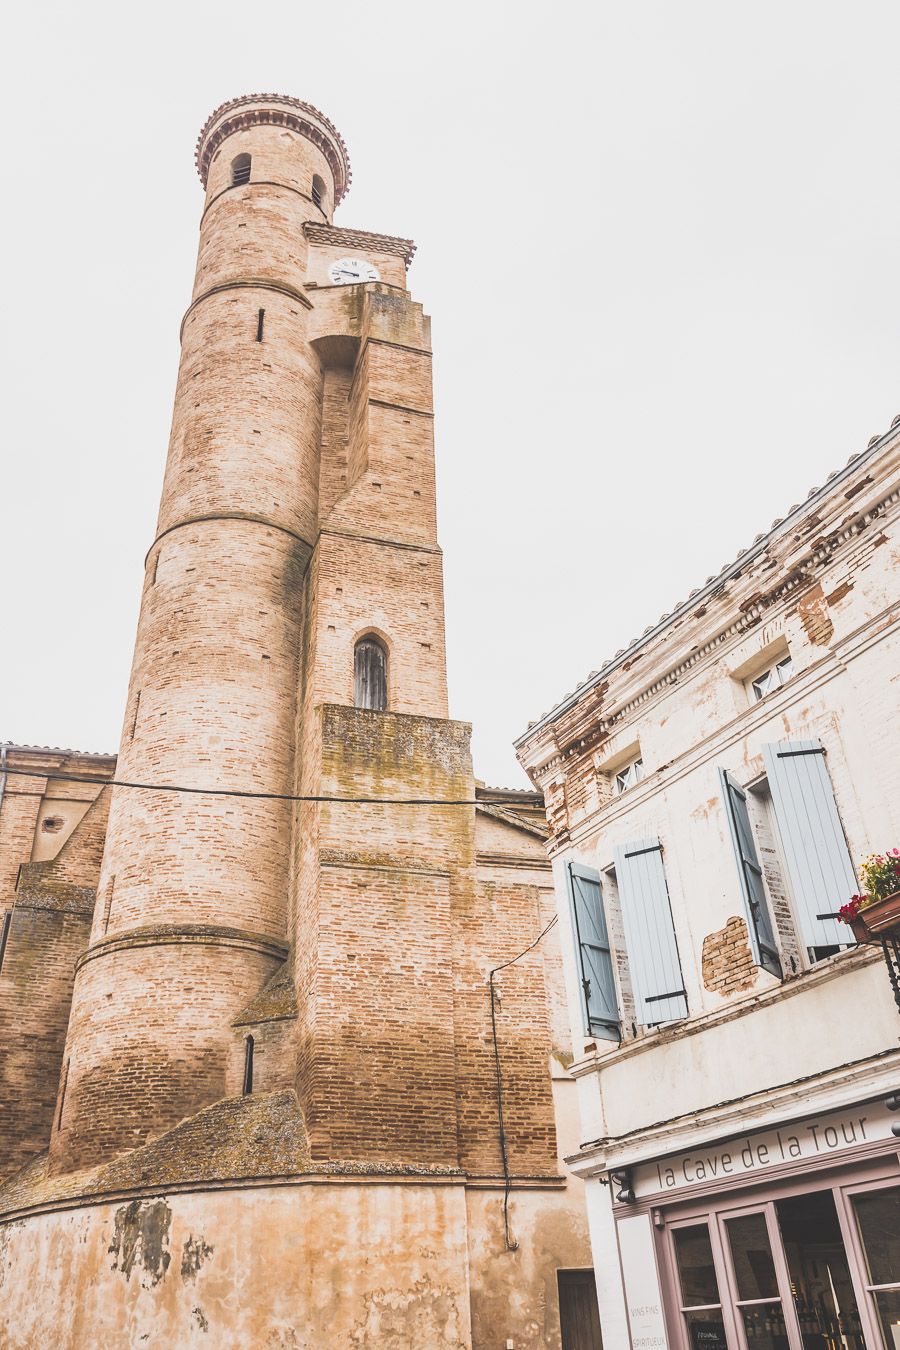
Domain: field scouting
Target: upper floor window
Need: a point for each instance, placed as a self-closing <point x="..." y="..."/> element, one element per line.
<point x="240" y="170"/>
<point x="629" y="775"/>
<point x="773" y="678"/>
<point x="370" y="675"/>
<point x="318" y="190"/>
<point x="819" y="870"/>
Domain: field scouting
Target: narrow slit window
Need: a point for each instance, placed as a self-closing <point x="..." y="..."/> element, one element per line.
<point x="134" y="720"/>
<point x="318" y="191"/>
<point x="248" y="1066"/>
<point x="109" y="899"/>
<point x="370" y="675"/>
<point x="240" y="170"/>
<point x="260" y="320"/>
<point x="62" y="1095"/>
<point x="4" y="935"/>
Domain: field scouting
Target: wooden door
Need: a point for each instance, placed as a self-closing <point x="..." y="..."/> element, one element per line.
<point x="578" y="1313"/>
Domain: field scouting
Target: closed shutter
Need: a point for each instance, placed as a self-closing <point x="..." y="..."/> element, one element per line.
<point x="601" y="1011"/>
<point x="653" y="960"/>
<point x="812" y="838"/>
<point x="759" y="921"/>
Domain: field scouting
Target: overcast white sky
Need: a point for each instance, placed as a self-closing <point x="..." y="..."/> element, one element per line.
<point x="659" y="243"/>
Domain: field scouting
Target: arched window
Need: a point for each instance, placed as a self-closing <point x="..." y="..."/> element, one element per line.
<point x="318" y="191"/>
<point x="370" y="675"/>
<point x="240" y="170"/>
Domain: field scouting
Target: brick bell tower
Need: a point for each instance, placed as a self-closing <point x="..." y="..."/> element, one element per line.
<point x="290" y="642"/>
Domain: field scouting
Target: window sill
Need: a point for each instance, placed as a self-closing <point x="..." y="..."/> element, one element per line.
<point x="738" y="1006"/>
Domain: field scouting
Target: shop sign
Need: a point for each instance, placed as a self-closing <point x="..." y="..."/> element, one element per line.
<point x="751" y="1154"/>
<point x="642" y="1294"/>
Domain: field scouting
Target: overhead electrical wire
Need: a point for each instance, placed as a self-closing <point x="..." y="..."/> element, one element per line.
<point x="246" y="792"/>
<point x="511" y="1244"/>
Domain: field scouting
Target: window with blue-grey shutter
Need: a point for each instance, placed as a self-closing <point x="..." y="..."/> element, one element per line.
<point x="759" y="921"/>
<point x="598" y="987"/>
<point x="812" y="839"/>
<point x="653" y="960"/>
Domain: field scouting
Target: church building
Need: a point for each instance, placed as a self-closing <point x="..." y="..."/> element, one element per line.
<point x="281" y="1066"/>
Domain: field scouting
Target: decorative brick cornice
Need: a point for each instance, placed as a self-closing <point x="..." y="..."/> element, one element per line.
<point x="279" y="110"/>
<point x="364" y="239"/>
<point x="165" y="934"/>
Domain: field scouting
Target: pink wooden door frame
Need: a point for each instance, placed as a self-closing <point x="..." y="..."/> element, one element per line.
<point x="874" y="1174"/>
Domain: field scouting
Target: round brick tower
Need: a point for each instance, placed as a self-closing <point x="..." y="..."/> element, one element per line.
<point x="191" y="910"/>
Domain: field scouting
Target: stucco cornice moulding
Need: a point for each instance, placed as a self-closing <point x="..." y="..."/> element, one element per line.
<point x="823" y="972"/>
<point x="323" y="1177"/>
<point x="738" y="729"/>
<point x="280" y="110"/>
<point x="821" y="548"/>
<point x="833" y="1090"/>
<point x="555" y="757"/>
<point x="317" y="233"/>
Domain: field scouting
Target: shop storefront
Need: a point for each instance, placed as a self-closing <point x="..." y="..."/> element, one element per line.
<point x="782" y="1240"/>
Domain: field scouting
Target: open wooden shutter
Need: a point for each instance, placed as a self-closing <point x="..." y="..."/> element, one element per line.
<point x="656" y="978"/>
<point x="759" y="921"/>
<point x="812" y="838"/>
<point x="598" y="986"/>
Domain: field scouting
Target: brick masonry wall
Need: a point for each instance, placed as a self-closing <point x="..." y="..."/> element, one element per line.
<point x="728" y="965"/>
<point x="42" y="946"/>
<point x="376" y="1063"/>
<point x="215" y="677"/>
<point x="50" y="917"/>
<point x="503" y="917"/>
<point x="297" y="513"/>
<point x="134" y="1070"/>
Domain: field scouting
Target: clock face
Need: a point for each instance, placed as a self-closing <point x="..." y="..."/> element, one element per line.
<point x="352" y="271"/>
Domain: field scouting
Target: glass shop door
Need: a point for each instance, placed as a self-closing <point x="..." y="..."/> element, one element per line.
<point x="789" y="1276"/>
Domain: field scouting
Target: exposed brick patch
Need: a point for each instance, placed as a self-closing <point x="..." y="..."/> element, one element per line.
<point x="815" y="617"/>
<point x="839" y="592"/>
<point x="728" y="965"/>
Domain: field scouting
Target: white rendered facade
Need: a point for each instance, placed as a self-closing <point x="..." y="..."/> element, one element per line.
<point x="716" y="1006"/>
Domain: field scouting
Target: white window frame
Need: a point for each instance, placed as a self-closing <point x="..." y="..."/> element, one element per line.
<point x="628" y="776"/>
<point x="778" y="673"/>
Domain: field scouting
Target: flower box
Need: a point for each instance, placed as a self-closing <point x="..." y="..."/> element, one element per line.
<point x="875" y="914"/>
<point x="858" y="927"/>
<point x="881" y="918"/>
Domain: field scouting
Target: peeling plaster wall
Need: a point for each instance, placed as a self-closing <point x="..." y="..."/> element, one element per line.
<point x="243" y="1270"/>
<point x="268" y="1269"/>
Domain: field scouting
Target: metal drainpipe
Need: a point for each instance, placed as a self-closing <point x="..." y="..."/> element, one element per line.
<point x="3" y="749"/>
